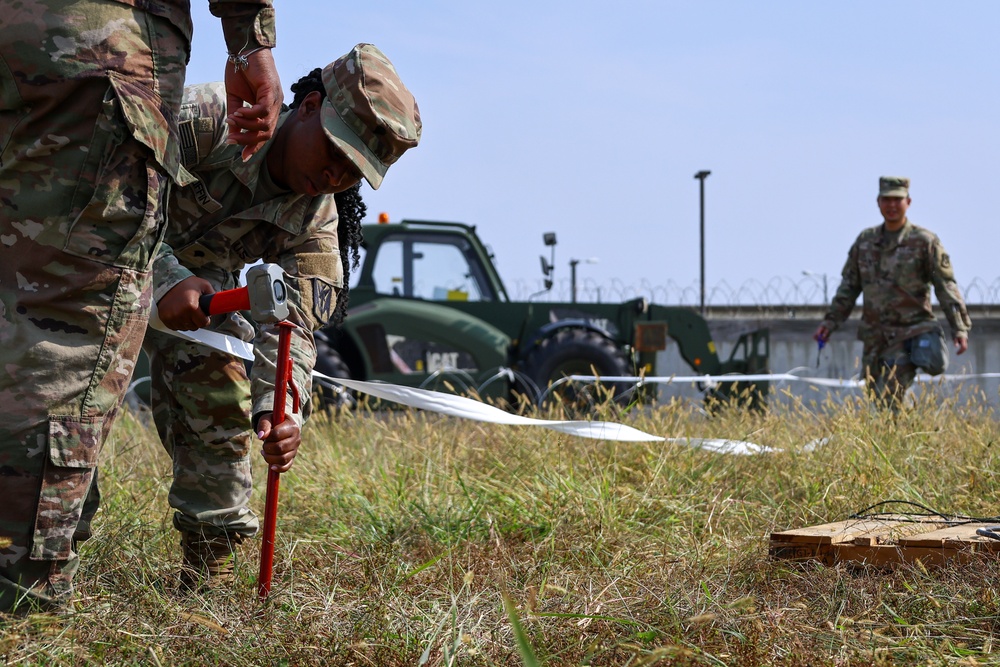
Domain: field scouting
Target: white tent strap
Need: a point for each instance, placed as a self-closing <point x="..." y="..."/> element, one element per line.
<point x="467" y="408"/>
<point x="764" y="377"/>
<point x="447" y="404"/>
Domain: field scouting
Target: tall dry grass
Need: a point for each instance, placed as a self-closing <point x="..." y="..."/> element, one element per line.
<point x="409" y="539"/>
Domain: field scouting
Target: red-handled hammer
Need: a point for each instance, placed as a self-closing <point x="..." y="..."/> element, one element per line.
<point x="265" y="296"/>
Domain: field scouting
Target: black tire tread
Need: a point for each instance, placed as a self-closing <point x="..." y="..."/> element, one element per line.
<point x="568" y="345"/>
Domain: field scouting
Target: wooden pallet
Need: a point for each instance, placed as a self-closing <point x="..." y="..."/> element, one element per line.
<point x="884" y="541"/>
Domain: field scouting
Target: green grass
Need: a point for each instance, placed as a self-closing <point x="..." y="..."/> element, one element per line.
<point x="410" y="539"/>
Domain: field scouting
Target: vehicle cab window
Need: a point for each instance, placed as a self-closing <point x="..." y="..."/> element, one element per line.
<point x="434" y="267"/>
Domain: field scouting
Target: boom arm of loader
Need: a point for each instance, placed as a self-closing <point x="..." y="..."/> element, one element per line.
<point x="694" y="340"/>
<point x="749" y="355"/>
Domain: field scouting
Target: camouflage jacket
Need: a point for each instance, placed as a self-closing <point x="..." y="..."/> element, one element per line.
<point x="245" y="23"/>
<point x="894" y="271"/>
<point x="215" y="229"/>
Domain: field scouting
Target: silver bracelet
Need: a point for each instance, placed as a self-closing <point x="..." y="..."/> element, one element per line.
<point x="239" y="60"/>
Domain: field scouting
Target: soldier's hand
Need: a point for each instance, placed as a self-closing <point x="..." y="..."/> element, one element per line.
<point x="822" y="334"/>
<point x="259" y="86"/>
<point x="281" y="442"/>
<point x="179" y="308"/>
<point x="961" y="344"/>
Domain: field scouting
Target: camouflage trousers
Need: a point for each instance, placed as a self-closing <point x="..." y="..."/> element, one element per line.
<point x="87" y="89"/>
<point x="890" y="371"/>
<point x="201" y="407"/>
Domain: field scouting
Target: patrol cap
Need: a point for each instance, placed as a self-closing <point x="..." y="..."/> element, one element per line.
<point x="893" y="186"/>
<point x="368" y="113"/>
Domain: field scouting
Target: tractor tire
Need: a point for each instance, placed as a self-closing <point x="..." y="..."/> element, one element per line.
<point x="577" y="352"/>
<point x="329" y="362"/>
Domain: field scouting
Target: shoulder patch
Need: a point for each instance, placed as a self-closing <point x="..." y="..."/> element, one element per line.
<point x="945" y="261"/>
<point x="324" y="300"/>
<point x="189" y="143"/>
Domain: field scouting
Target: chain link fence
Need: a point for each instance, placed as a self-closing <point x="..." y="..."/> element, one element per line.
<point x="778" y="291"/>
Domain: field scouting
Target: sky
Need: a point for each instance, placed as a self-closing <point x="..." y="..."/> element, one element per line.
<point x="589" y="119"/>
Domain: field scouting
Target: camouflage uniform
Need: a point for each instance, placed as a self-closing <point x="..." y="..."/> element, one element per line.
<point x="202" y="399"/>
<point x="89" y="91"/>
<point x="232" y="216"/>
<point x="894" y="271"/>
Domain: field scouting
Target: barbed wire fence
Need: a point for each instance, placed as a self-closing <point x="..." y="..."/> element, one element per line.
<point x="778" y="291"/>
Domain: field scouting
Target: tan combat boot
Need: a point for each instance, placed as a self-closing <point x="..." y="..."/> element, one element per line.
<point x="209" y="561"/>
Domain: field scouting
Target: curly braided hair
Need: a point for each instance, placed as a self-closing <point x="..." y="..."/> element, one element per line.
<point x="351" y="208"/>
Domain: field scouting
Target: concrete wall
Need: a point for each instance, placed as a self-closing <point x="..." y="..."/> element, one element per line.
<point x="794" y="351"/>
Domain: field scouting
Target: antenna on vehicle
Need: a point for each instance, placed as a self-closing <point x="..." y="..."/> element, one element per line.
<point x="548" y="266"/>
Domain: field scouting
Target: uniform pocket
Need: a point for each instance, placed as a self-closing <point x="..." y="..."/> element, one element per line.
<point x="124" y="331"/>
<point x="131" y="159"/>
<point x="12" y="110"/>
<point x="73" y="448"/>
<point x="868" y="266"/>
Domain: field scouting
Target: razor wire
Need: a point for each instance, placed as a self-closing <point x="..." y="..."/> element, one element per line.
<point x="776" y="291"/>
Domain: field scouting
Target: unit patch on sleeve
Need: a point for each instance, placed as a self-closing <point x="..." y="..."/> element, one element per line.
<point x="324" y="300"/>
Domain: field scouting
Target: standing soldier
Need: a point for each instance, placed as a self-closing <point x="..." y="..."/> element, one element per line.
<point x="894" y="265"/>
<point x="89" y="94"/>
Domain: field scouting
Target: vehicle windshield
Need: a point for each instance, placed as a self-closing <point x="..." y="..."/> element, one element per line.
<point x="435" y="267"/>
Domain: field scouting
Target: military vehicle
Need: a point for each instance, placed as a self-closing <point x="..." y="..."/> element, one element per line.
<point x="428" y="308"/>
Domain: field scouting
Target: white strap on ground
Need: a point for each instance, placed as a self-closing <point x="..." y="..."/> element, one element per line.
<point x="712" y="380"/>
<point x="466" y="408"/>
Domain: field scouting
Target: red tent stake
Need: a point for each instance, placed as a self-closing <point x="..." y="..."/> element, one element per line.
<point x="283" y="377"/>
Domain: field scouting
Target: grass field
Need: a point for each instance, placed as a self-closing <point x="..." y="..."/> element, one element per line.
<point x="410" y="539"/>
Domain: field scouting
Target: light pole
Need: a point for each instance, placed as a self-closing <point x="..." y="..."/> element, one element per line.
<point x="812" y="274"/>
<point x="701" y="176"/>
<point x="572" y="274"/>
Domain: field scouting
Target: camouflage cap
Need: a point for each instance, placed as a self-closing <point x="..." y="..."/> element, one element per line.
<point x="368" y="112"/>
<point x="893" y="186"/>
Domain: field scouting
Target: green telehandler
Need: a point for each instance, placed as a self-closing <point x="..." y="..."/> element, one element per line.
<point x="428" y="308"/>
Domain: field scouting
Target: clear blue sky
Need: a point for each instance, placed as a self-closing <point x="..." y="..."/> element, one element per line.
<point x="591" y="118"/>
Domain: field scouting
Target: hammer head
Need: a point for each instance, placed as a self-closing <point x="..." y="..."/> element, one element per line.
<point x="267" y="292"/>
